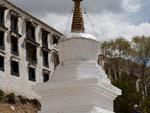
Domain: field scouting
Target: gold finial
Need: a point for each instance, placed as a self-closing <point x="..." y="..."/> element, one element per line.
<point x="77" y="23"/>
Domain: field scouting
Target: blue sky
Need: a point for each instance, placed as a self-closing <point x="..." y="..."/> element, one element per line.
<point x="110" y="18"/>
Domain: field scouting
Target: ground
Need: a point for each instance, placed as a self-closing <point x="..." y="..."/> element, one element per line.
<point x="18" y="108"/>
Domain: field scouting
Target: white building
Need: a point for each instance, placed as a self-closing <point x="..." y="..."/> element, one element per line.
<point x="27" y="50"/>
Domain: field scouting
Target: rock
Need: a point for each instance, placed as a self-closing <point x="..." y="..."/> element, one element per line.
<point x="12" y="108"/>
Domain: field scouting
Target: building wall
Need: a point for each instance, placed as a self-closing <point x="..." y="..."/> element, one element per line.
<point x="21" y="85"/>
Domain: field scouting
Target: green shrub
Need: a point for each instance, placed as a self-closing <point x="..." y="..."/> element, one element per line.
<point x="11" y="98"/>
<point x="125" y="102"/>
<point x="22" y="99"/>
<point x="36" y="103"/>
<point x="146" y="105"/>
<point x="26" y="112"/>
<point x="1" y="95"/>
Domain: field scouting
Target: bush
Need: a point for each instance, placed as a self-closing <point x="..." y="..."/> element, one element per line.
<point x="1" y="95"/>
<point x="146" y="105"/>
<point x="22" y="100"/>
<point x="36" y="103"/>
<point x="11" y="98"/>
<point x="125" y="102"/>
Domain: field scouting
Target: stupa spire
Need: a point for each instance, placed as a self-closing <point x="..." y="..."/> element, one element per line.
<point x="77" y="22"/>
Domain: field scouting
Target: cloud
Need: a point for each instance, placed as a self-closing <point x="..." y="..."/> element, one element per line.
<point x="112" y="26"/>
<point x="107" y="25"/>
<point x="43" y="7"/>
<point x="109" y="18"/>
<point x="132" y="5"/>
<point x="127" y="30"/>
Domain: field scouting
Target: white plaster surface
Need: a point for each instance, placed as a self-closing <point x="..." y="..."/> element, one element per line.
<point x="81" y="35"/>
<point x="79" y="84"/>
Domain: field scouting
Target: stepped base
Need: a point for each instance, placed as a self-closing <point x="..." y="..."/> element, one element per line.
<point x="79" y="96"/>
<point x="81" y="109"/>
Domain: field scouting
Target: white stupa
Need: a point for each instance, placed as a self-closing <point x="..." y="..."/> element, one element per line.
<point x="79" y="84"/>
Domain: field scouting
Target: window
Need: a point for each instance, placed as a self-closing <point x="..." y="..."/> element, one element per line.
<point x="2" y="40"/>
<point x="1" y="63"/>
<point x="56" y="60"/>
<point x="31" y="53"/>
<point x="2" y="17"/>
<point x="32" y="76"/>
<point x="45" y="77"/>
<point x="14" y="68"/>
<point x="44" y="38"/>
<point x="30" y="31"/>
<point x="45" y="59"/>
<point x="14" y="23"/>
<point x="14" y="46"/>
<point x="55" y="40"/>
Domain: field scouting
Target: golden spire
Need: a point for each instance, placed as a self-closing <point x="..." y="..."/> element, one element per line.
<point x="77" y="22"/>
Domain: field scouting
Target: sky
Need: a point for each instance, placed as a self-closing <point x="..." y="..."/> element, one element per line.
<point x="106" y="19"/>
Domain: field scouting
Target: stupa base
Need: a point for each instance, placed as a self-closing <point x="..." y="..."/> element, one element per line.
<point x="79" y="109"/>
<point x="79" y="96"/>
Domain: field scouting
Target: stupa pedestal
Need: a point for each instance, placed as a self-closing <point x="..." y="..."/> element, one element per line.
<point x="79" y="84"/>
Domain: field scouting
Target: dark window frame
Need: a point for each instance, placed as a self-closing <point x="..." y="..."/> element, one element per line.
<point x="2" y="63"/>
<point x="2" y="14"/>
<point x="15" y="64"/>
<point x="30" y="31"/>
<point x="56" y="60"/>
<point x="31" y="57"/>
<point x="2" y="40"/>
<point x="45" y="38"/>
<point x="54" y="40"/>
<point x="45" y="59"/>
<point x="14" y="46"/>
<point x="14" y="24"/>
<point x="32" y="74"/>
<point x="46" y="77"/>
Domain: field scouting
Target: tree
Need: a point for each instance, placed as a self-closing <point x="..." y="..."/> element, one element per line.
<point x="138" y="49"/>
<point x="129" y="97"/>
<point x="137" y="56"/>
<point x="118" y="49"/>
<point x="146" y="105"/>
<point x="107" y="48"/>
<point x="141" y="46"/>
